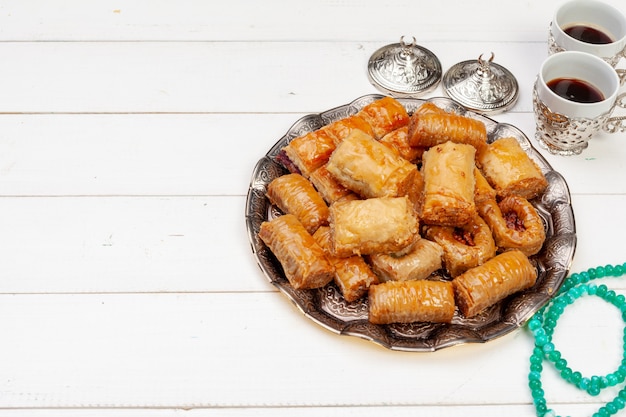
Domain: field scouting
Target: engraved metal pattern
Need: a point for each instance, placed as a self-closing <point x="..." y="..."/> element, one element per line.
<point x="482" y="86"/>
<point x="563" y="135"/>
<point x="326" y="306"/>
<point x="404" y="69"/>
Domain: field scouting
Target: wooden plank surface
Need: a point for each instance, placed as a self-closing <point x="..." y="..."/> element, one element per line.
<point x="128" y="134"/>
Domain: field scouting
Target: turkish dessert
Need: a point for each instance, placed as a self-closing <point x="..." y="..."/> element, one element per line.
<point x="496" y="279"/>
<point x="385" y="115"/>
<point x="465" y="246"/>
<point x="328" y="187"/>
<point x="434" y="128"/>
<point x="353" y="275"/>
<point x="510" y="170"/>
<point x="515" y="224"/>
<point x="303" y="261"/>
<point x="294" y="194"/>
<point x="415" y="215"/>
<point x="411" y="301"/>
<point x="369" y="168"/>
<point x="374" y="225"/>
<point x="448" y="172"/>
<point x="423" y="259"/>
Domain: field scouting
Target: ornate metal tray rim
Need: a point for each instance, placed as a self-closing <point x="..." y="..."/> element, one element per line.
<point x="326" y="307"/>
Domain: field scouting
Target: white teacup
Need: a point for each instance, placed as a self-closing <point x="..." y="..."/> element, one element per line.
<point x="565" y="125"/>
<point x="574" y="26"/>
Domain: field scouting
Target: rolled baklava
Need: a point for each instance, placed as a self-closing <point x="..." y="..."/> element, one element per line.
<point x="411" y="301"/>
<point x="496" y="279"/>
<point x="294" y="194"/>
<point x="424" y="258"/>
<point x="515" y="224"/>
<point x="433" y="128"/>
<point x="464" y="247"/>
<point x="303" y="261"/>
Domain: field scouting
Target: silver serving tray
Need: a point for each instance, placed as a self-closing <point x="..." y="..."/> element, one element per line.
<point x="327" y="307"/>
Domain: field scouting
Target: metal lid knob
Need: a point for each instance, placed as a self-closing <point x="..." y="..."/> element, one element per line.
<point x="482" y="86"/>
<point x="404" y="69"/>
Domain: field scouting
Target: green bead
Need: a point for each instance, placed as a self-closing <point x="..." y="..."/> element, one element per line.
<point x="536" y="359"/>
<point x="584" y="276"/>
<point x="534" y="384"/>
<point x="618" y="270"/>
<point x="541" y="340"/>
<point x="608" y="269"/>
<point x="610" y="296"/>
<point x="584" y="384"/>
<point x="536" y="367"/>
<point x="602" y="289"/>
<point x="592" y="273"/>
<point x="548" y="347"/>
<point x="550" y="323"/>
<point x="538" y="394"/>
<point x="576" y="377"/>
<point x="534" y="375"/>
<point x="619" y="403"/>
<point x="604" y="382"/>
<point x="600" y="272"/>
<point x="566" y="374"/>
<point x="560" y="364"/>
<point x="593" y="390"/>
<point x="611" y="408"/>
<point x="534" y="324"/>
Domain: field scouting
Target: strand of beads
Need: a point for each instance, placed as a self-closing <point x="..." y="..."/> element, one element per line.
<point x="542" y="326"/>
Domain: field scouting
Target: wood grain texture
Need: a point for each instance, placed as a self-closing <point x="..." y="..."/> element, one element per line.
<point x="128" y="135"/>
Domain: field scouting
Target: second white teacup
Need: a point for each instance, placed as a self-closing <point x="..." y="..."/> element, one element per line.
<point x="573" y="98"/>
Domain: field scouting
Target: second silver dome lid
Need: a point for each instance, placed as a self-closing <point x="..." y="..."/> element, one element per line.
<point x="480" y="85"/>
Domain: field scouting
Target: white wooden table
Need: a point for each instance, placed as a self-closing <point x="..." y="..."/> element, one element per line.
<point x="128" y="134"/>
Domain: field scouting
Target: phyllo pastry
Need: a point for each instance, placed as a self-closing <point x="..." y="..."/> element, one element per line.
<point x="515" y="224"/>
<point x="496" y="279"/>
<point x="341" y="129"/>
<point x="306" y="153"/>
<point x="375" y="225"/>
<point x="428" y="107"/>
<point x="464" y="247"/>
<point x="398" y="141"/>
<point x="385" y="115"/>
<point x="353" y="275"/>
<point x="369" y="168"/>
<point x="411" y="301"/>
<point x="510" y="170"/>
<point x="433" y="128"/>
<point x="448" y="173"/>
<point x="294" y="194"/>
<point x="483" y="191"/>
<point x="327" y="186"/>
<point x="423" y="259"/>
<point x="303" y="261"/>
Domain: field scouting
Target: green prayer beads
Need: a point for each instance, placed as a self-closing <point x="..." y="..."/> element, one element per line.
<point x="542" y="326"/>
